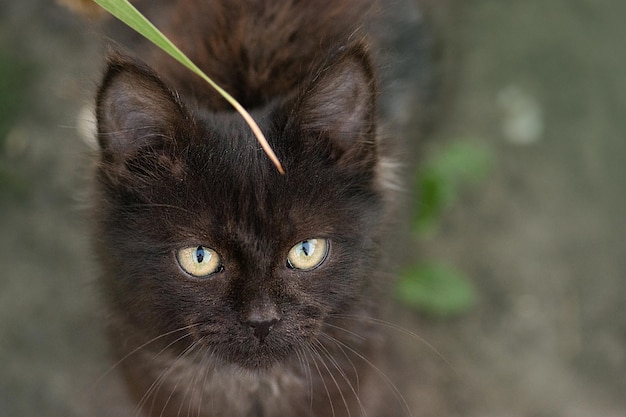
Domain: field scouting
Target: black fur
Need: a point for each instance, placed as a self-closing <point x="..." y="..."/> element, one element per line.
<point x="176" y="172"/>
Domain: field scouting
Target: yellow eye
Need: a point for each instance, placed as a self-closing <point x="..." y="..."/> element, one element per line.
<point x="199" y="261"/>
<point x="308" y="254"/>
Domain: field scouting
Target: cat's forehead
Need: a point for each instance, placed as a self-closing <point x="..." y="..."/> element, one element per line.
<point x="224" y="150"/>
<point x="238" y="187"/>
<point x="229" y="180"/>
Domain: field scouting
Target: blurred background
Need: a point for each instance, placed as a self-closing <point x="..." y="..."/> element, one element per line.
<point x="540" y="238"/>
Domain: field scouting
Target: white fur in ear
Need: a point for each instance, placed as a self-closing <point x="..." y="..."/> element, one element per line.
<point x="87" y="126"/>
<point x="388" y="175"/>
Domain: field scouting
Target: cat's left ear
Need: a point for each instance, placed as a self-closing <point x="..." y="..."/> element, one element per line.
<point x="340" y="105"/>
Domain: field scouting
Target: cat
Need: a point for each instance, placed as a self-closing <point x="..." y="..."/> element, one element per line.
<point x="232" y="289"/>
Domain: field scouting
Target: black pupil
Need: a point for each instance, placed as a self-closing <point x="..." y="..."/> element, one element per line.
<point x="200" y="254"/>
<point x="306" y="247"/>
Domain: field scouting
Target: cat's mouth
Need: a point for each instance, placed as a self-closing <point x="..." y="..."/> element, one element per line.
<point x="257" y="349"/>
<point x="258" y="356"/>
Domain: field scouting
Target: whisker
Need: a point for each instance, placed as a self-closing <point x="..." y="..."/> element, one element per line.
<point x="356" y="335"/>
<point x="190" y="387"/>
<point x="207" y="366"/>
<point x="334" y="362"/>
<point x="345" y="354"/>
<point x="158" y="382"/>
<point x="306" y="370"/>
<point x="204" y="370"/>
<point x="314" y="353"/>
<point x="343" y="398"/>
<point x="394" y="389"/>
<point x="134" y="351"/>
<point x="180" y="378"/>
<point x="401" y="330"/>
<point x="200" y="381"/>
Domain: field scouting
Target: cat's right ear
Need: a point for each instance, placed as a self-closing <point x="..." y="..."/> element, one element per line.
<point x="135" y="110"/>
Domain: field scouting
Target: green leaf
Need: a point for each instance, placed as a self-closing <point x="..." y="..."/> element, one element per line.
<point x="435" y="289"/>
<point x="128" y="14"/>
<point x="440" y="182"/>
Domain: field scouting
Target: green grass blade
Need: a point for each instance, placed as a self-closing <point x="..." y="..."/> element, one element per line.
<point x="128" y="14"/>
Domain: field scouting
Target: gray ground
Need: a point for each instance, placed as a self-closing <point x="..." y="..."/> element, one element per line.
<point x="540" y="82"/>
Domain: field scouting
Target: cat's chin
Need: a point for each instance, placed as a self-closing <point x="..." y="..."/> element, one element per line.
<point x="258" y="360"/>
<point x="258" y="365"/>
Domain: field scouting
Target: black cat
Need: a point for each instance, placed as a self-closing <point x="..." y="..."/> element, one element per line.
<point x="234" y="290"/>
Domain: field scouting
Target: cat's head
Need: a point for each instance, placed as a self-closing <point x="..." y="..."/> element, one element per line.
<point x="202" y="237"/>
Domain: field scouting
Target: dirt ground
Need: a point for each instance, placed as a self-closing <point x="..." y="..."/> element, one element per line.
<point x="539" y="82"/>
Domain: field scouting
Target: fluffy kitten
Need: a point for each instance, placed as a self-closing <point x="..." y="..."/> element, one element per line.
<point x="234" y="290"/>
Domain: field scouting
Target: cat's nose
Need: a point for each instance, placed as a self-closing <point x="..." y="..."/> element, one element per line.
<point x="261" y="315"/>
<point x="262" y="326"/>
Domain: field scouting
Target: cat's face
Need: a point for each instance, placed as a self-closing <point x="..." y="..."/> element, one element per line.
<point x="202" y="237"/>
